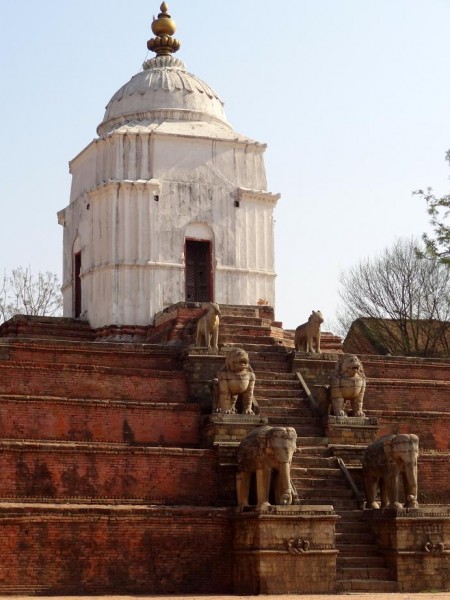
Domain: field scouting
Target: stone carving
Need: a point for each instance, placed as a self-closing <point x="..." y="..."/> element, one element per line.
<point x="307" y="336"/>
<point x="266" y="451"/>
<point x="236" y="380"/>
<point x="348" y="382"/>
<point x="384" y="461"/>
<point x="434" y="548"/>
<point x="208" y="328"/>
<point x="298" y="546"/>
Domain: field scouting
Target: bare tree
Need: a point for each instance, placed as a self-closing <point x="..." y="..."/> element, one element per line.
<point x="437" y="245"/>
<point x="402" y="301"/>
<point x="22" y="292"/>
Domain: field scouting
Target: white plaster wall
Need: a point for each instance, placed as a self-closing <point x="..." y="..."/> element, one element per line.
<point x="133" y="246"/>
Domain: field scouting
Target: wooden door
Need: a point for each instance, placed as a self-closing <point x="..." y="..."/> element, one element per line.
<point x="77" y="285"/>
<point x="198" y="271"/>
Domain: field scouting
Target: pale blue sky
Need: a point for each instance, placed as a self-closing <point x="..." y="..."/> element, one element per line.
<point x="351" y="96"/>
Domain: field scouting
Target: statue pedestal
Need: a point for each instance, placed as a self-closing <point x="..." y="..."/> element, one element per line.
<point x="351" y="430"/>
<point x="287" y="550"/>
<point x="416" y="543"/>
<point x="219" y="429"/>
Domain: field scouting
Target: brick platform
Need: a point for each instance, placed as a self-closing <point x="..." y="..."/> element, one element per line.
<point x="116" y="481"/>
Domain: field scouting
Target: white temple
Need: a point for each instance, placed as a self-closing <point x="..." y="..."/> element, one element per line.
<point x="168" y="204"/>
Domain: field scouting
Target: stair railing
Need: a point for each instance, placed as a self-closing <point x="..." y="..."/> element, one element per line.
<point x="359" y="497"/>
<point x="312" y="401"/>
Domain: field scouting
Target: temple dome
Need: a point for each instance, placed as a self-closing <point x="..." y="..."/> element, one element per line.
<point x="163" y="90"/>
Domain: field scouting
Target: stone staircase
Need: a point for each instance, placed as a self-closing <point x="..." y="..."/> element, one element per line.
<point x="316" y="473"/>
<point x="360" y="565"/>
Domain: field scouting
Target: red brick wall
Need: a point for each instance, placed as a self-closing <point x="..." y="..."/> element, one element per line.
<point x="101" y="421"/>
<point x="92" y="382"/>
<point x="406" y="368"/>
<point x="64" y="471"/>
<point x="432" y="428"/>
<point x="434" y="478"/>
<point x="134" y="356"/>
<point x="404" y="396"/>
<point x="142" y="551"/>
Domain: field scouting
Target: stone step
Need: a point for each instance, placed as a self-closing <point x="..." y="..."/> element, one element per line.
<point x="358" y="549"/>
<point x="353" y="515"/>
<point x="300" y="425"/>
<point x="278" y="384"/>
<point x="275" y="362"/>
<point x="300" y="403"/>
<point x="277" y="393"/>
<point x="23" y="590"/>
<point x="292" y="415"/>
<point x="337" y="503"/>
<point x="374" y="586"/>
<point x="360" y="561"/>
<point x="262" y="353"/>
<point x="242" y="321"/>
<point x="238" y="310"/>
<point x="247" y="341"/>
<point x="322" y="460"/>
<point x="305" y="430"/>
<point x="324" y="484"/>
<point x="360" y="527"/>
<point x="327" y="493"/>
<point x="379" y="573"/>
<point x="270" y="377"/>
<point x="354" y="537"/>
<point x="308" y="442"/>
<point x="302" y="431"/>
<point x="260" y="369"/>
<point x="325" y="472"/>
<point x="235" y="330"/>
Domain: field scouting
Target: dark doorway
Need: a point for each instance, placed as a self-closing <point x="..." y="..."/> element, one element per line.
<point x="198" y="271"/>
<point x="77" y="285"/>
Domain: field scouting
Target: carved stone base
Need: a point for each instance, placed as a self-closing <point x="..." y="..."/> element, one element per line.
<point x="351" y="430"/>
<point x="225" y="429"/>
<point x="416" y="543"/>
<point x="288" y="550"/>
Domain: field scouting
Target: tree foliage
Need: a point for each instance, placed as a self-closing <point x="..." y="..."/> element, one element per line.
<point x="22" y="292"/>
<point x="403" y="299"/>
<point x="437" y="245"/>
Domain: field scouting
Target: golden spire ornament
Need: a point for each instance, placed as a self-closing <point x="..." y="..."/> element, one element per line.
<point x="163" y="27"/>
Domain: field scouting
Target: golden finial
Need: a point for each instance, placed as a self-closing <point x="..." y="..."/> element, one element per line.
<point x="163" y="27"/>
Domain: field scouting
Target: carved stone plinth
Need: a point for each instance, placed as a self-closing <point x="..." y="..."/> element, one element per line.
<point x="351" y="430"/>
<point x="288" y="550"/>
<point x="225" y="429"/>
<point x="416" y="543"/>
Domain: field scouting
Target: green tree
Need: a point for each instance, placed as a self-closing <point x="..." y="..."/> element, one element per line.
<point x="402" y="301"/>
<point x="23" y="293"/>
<point x="437" y="245"/>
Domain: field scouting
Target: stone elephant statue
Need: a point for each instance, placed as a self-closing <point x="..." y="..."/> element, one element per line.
<point x="266" y="451"/>
<point x="384" y="461"/>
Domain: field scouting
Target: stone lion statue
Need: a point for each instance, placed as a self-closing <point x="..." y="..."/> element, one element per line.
<point x="348" y="382"/>
<point x="208" y="328"/>
<point x="307" y="336"/>
<point x="236" y="380"/>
